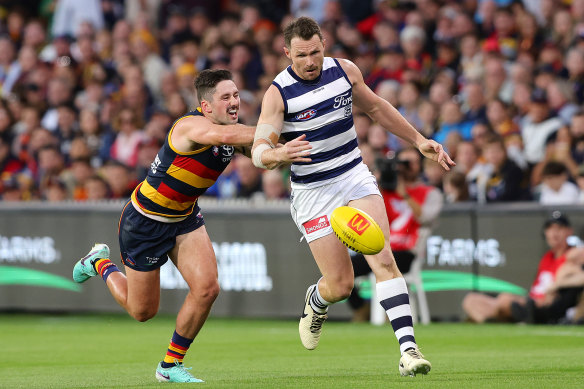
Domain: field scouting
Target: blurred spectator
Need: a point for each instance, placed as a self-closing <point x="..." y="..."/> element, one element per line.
<point x="577" y="134"/>
<point x="476" y="172"/>
<point x="475" y="109"/>
<point x="144" y="48"/>
<point x="96" y="188"/>
<point x="452" y="120"/>
<point x="120" y="181"/>
<point x="455" y="187"/>
<point x="555" y="188"/>
<point x="506" y="182"/>
<point x="560" y="100"/>
<point x="70" y="14"/>
<point x="128" y="138"/>
<point x="480" y="307"/>
<point x="250" y="178"/>
<point x="537" y="126"/>
<point x="273" y="185"/>
<point x="55" y="191"/>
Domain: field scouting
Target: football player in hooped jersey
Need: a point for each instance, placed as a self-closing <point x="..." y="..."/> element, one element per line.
<point x="310" y="105"/>
<point x="162" y="219"/>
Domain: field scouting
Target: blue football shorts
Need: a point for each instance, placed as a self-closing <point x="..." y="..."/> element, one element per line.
<point x="145" y="243"/>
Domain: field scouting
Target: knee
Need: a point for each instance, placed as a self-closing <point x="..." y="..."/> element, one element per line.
<point x="341" y="289"/>
<point x="143" y="314"/>
<point x="207" y="292"/>
<point x="469" y="301"/>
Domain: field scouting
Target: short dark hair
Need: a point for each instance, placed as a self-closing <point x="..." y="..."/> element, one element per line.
<point x="553" y="168"/>
<point x="207" y="81"/>
<point x="303" y="27"/>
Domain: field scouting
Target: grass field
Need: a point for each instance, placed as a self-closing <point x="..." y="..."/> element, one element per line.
<point x="94" y="351"/>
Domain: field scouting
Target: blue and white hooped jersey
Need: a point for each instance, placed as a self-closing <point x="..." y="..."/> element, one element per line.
<point x="321" y="109"/>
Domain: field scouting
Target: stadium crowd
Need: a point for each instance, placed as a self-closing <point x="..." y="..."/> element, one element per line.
<point x="89" y="89"/>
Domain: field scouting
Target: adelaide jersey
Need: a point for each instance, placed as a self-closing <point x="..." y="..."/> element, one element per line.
<point x="177" y="179"/>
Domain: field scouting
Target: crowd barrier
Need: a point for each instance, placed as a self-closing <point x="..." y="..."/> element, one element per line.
<point x="264" y="267"/>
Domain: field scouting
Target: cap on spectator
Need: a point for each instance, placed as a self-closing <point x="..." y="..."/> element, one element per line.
<point x="538" y="96"/>
<point x="557" y="218"/>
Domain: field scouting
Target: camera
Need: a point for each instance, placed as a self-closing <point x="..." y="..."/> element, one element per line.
<point x="390" y="169"/>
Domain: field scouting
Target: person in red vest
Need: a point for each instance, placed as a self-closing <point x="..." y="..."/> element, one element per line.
<point x="481" y="307"/>
<point x="410" y="205"/>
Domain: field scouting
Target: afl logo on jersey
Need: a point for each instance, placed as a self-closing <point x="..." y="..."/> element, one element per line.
<point x="308" y="114"/>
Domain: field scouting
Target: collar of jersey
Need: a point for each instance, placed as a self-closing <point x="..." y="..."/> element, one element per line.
<point x="302" y="80"/>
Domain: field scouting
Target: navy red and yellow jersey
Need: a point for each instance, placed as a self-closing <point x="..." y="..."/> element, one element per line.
<point x="177" y="179"/>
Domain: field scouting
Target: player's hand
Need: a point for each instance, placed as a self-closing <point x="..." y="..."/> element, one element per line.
<point x="297" y="150"/>
<point x="434" y="151"/>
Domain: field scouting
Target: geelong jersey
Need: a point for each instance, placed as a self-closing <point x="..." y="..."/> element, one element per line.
<point x="176" y="179"/>
<point x="321" y="109"/>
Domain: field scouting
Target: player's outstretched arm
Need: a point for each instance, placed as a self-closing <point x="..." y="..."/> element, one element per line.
<point x="267" y="153"/>
<point x="202" y="131"/>
<point x="389" y="118"/>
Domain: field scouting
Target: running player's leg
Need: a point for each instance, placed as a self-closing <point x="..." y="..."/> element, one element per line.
<point x="138" y="292"/>
<point x="334" y="263"/>
<point x="335" y="285"/>
<point x="194" y="257"/>
<point x="392" y="290"/>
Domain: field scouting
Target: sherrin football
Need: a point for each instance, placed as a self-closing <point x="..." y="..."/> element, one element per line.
<point x="357" y="230"/>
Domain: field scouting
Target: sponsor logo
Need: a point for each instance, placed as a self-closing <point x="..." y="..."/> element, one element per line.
<point x="463" y="252"/>
<point x="28" y="249"/>
<point x="242" y="267"/>
<point x="215" y="150"/>
<point x="227" y="152"/>
<point x="308" y="114"/>
<point x="358" y="224"/>
<point x="343" y="100"/>
<point x="316" y="224"/>
<point x="318" y="90"/>
<point x="152" y="260"/>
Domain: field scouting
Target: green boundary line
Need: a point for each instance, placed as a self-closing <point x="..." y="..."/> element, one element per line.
<point x="13" y="275"/>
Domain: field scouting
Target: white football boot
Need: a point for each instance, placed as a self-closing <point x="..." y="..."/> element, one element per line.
<point x="310" y="325"/>
<point x="412" y="362"/>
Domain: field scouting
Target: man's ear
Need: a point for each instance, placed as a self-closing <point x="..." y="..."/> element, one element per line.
<point x="287" y="52"/>
<point x="206" y="107"/>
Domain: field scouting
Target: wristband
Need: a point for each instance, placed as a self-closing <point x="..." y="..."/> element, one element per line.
<point x="256" y="155"/>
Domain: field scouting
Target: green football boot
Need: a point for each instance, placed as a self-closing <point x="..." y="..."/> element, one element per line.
<point x="84" y="269"/>
<point x="176" y="373"/>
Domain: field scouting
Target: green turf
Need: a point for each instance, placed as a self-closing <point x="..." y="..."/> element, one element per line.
<point x="114" y="351"/>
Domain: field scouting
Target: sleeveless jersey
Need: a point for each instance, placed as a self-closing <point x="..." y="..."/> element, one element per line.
<point x="403" y="226"/>
<point x="176" y="179"/>
<point x="321" y="109"/>
<point x="546" y="274"/>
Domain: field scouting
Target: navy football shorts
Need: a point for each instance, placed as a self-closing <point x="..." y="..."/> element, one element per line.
<point x="145" y="243"/>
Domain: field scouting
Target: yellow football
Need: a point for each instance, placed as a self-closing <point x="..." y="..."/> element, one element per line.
<point x="357" y="230"/>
